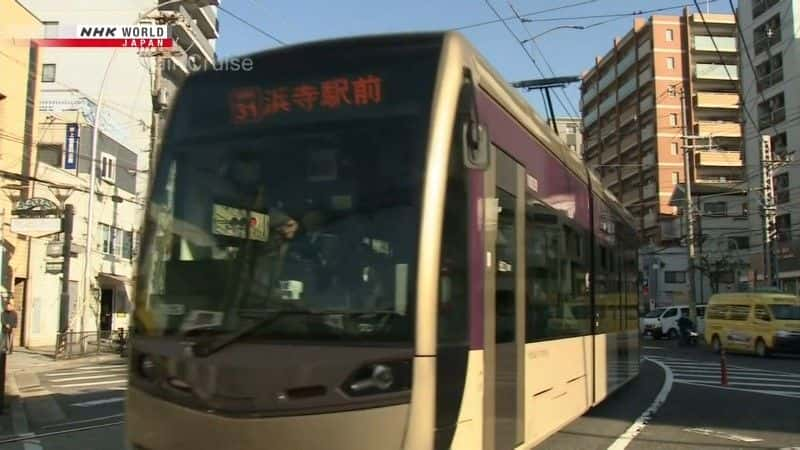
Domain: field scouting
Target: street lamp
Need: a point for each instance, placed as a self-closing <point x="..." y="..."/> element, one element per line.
<point x="560" y="27"/>
<point x="95" y="132"/>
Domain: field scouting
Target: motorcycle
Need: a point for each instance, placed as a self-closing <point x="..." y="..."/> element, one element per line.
<point x="689" y="337"/>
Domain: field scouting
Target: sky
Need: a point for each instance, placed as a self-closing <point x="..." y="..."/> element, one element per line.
<point x="558" y="52"/>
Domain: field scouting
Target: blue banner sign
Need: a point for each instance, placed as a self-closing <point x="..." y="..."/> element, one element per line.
<point x="71" y="147"/>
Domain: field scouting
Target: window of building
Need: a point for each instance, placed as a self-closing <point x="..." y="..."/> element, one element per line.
<point x="48" y="73"/>
<point x="669" y="35"/>
<point x="783" y="225"/>
<point x="676" y="178"/>
<point x="108" y="167"/>
<point x="673" y="148"/>
<point x="745" y="209"/>
<point x="767" y="34"/>
<point x="780" y="184"/>
<point x="50" y="30"/>
<point x="49" y="154"/>
<point x="715" y="208"/>
<point x="670" y="62"/>
<point x="780" y="147"/>
<point x="770" y="72"/>
<point x="673" y="119"/>
<point x="115" y="241"/>
<point x="761" y="6"/>
<point x="739" y="243"/>
<point x="674" y="276"/>
<point x="772" y="111"/>
<point x="671" y="91"/>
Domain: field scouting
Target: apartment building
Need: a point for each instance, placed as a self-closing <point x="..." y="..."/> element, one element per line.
<point x="19" y="90"/>
<point x="771" y="94"/>
<point x="101" y="276"/>
<point x="569" y="129"/>
<point x="666" y="74"/>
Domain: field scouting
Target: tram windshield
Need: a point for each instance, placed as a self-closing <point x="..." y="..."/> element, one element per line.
<point x="287" y="202"/>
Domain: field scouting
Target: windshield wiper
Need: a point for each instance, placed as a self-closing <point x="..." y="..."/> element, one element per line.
<point x="207" y="349"/>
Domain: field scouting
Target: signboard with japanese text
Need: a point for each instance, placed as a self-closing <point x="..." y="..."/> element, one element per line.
<point x="71" y="147"/>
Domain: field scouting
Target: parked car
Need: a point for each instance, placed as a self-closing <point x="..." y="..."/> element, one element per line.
<point x="662" y="322"/>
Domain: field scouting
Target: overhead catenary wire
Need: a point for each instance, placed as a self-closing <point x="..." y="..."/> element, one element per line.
<point x="524" y="49"/>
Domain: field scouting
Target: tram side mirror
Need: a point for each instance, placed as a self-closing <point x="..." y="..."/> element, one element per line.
<point x="475" y="141"/>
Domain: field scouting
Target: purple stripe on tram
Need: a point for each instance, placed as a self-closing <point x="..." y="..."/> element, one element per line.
<point x="476" y="261"/>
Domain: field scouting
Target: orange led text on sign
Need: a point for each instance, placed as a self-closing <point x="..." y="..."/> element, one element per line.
<point x="252" y="104"/>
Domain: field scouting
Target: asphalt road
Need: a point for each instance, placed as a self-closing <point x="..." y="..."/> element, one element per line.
<point x="82" y="408"/>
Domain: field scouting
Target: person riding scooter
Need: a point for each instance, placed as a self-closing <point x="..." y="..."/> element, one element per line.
<point x="688" y="334"/>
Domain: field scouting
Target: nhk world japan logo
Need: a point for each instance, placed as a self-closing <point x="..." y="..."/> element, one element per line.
<point x="131" y="36"/>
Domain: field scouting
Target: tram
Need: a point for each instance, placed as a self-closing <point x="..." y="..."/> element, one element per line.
<point x="373" y="243"/>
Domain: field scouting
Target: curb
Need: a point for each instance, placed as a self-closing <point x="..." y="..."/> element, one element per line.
<point x="19" y="420"/>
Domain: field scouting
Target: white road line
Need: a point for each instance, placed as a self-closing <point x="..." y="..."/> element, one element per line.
<point x="627" y="437"/>
<point x="787" y="394"/>
<point x="90" y="377"/>
<point x="76" y="422"/>
<point x="82" y="372"/>
<point x="722" y="434"/>
<point x="100" y="402"/>
<point x="109" y="366"/>
<point x="652" y="348"/>
<point x="736" y="383"/>
<point x="94" y="383"/>
<point x="730" y="377"/>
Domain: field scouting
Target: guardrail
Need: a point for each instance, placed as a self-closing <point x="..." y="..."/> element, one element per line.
<point x="75" y="344"/>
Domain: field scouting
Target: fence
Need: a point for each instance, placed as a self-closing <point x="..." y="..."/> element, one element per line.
<point x="75" y="344"/>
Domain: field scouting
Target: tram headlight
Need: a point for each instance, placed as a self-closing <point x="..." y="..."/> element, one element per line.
<point x="147" y="367"/>
<point x="379" y="378"/>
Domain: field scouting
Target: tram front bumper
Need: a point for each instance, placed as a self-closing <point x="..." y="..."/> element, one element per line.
<point x="154" y="424"/>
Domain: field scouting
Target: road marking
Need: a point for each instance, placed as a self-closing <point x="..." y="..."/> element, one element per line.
<point x="81" y="372"/>
<point x="94" y="383"/>
<point x="100" y="402"/>
<point x="627" y="437"/>
<point x="91" y="377"/>
<point x="652" y="348"/>
<point x="789" y="394"/>
<point x="722" y="435"/>
<point x="56" y="433"/>
<point x="76" y="422"/>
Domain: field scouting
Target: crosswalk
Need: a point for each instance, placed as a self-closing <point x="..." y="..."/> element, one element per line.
<point x="708" y="374"/>
<point x="85" y="378"/>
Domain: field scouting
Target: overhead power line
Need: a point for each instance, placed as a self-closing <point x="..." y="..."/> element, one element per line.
<point x="254" y="27"/>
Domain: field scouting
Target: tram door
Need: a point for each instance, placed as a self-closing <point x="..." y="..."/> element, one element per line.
<point x="508" y="310"/>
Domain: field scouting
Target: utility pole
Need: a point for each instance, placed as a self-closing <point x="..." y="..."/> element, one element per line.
<point x="688" y="157"/>
<point x="768" y="211"/>
<point x="66" y="221"/>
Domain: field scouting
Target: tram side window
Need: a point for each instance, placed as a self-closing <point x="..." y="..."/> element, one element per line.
<point x="557" y="295"/>
<point x="453" y="326"/>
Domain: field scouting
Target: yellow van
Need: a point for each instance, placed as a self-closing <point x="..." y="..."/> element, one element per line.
<point x="754" y="322"/>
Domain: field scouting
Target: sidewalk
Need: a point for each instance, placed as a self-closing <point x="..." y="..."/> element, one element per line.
<point x="24" y="394"/>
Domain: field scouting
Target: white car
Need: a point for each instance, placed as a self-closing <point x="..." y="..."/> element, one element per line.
<point x="664" y="321"/>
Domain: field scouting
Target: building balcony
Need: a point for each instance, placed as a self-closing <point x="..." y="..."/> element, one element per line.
<point x="645" y="76"/>
<point x="716" y="72"/>
<point x="607" y="104"/>
<point x="644" y="49"/>
<point x="717" y="100"/>
<point x="626" y="62"/>
<point x="607" y="131"/>
<point x="719" y="129"/>
<point x="724" y="44"/>
<point x="771" y="118"/>
<point x="590" y="94"/>
<point x="626" y="89"/>
<point x="176" y="67"/>
<point x="607" y="79"/>
<point x="610" y="179"/>
<point x="589" y="118"/>
<point x="719" y="159"/>
<point x="649" y="161"/>
<point x="671" y="229"/>
<point x="650" y="190"/>
<point x="590" y="142"/>
<point x="627" y="115"/>
<point x="650" y="219"/>
<point x="192" y="39"/>
<point x="608" y="156"/>
<point x="629" y="141"/>
<point x="206" y="18"/>
<point x="646" y="104"/>
<point x="630" y="196"/>
<point x="648" y="131"/>
<point x="629" y="169"/>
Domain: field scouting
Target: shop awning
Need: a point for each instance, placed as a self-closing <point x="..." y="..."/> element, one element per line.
<point x="114" y="278"/>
